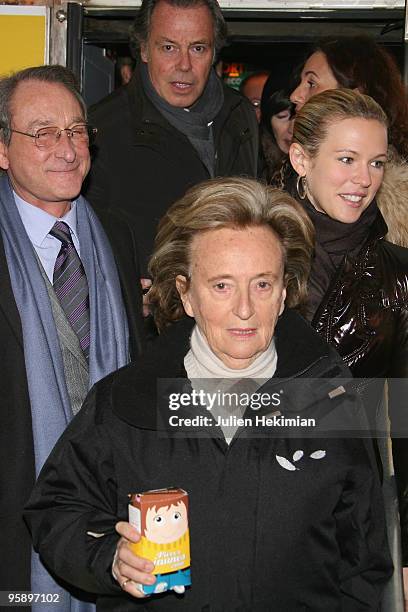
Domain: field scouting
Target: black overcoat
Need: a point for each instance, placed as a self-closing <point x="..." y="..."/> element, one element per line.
<point x="276" y="523"/>
<point x="142" y="164"/>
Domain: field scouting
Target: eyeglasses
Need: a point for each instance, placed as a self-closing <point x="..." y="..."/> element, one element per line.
<point x="48" y="137"/>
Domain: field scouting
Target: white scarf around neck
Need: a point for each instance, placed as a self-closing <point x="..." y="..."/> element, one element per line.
<point x="202" y="362"/>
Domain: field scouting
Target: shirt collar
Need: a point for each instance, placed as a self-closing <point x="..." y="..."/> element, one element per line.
<point x="38" y="223"/>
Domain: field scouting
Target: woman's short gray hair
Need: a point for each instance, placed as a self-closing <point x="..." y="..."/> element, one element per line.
<point x="228" y="202"/>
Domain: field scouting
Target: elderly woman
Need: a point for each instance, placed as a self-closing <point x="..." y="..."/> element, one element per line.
<point x="277" y="522"/>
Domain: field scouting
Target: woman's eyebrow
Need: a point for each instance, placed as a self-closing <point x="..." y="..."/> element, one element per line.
<point x="312" y="72"/>
<point x="382" y="154"/>
<point x="230" y="276"/>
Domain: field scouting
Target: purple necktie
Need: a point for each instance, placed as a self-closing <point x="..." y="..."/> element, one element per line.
<point x="71" y="286"/>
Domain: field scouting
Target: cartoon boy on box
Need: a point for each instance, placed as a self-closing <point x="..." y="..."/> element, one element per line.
<point x="161" y="517"/>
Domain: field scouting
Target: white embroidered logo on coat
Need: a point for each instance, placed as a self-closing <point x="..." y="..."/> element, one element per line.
<point x="297" y="455"/>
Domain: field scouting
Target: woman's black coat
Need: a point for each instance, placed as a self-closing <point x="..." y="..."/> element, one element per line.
<point x="264" y="535"/>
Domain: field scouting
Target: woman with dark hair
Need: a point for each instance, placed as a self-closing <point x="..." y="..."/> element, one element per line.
<point x="357" y="62"/>
<point x="276" y="124"/>
<point x="358" y="287"/>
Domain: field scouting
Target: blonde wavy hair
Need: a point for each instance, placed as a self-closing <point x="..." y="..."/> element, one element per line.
<point x="235" y="203"/>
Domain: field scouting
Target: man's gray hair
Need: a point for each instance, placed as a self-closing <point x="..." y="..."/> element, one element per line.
<point x="139" y="31"/>
<point x="45" y="74"/>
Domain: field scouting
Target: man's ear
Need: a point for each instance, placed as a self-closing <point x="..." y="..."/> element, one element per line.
<point x="298" y="158"/>
<point x="143" y="53"/>
<point x="182" y="288"/>
<point x="4" y="160"/>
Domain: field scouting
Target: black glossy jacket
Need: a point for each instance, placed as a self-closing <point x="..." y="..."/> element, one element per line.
<point x="364" y="315"/>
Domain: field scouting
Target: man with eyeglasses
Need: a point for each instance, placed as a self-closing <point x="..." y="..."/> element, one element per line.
<point x="70" y="301"/>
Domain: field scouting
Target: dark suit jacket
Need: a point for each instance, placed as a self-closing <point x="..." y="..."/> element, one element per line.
<point x="17" y="470"/>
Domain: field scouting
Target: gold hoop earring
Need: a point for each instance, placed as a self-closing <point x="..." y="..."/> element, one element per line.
<point x="301" y="187"/>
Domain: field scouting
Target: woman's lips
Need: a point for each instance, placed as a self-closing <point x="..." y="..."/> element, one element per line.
<point x="239" y="332"/>
<point x="353" y="199"/>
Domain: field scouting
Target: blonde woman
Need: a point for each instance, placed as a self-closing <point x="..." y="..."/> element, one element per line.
<point x="358" y="287"/>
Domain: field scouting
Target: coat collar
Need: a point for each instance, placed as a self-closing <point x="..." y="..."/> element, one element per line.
<point x="148" y="125"/>
<point x="378" y="229"/>
<point x="134" y="389"/>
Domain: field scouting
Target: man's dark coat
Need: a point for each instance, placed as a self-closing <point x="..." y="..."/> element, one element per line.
<point x="142" y="164"/>
<point x="17" y="467"/>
